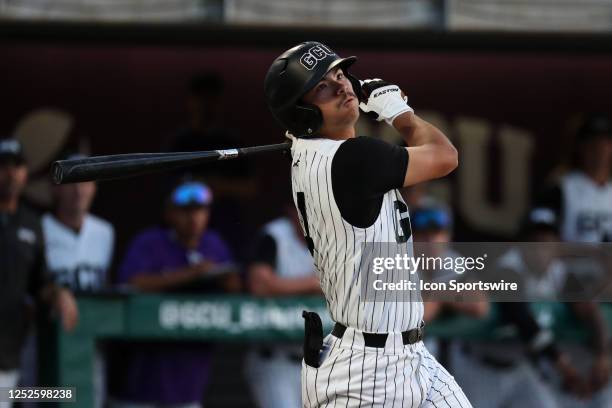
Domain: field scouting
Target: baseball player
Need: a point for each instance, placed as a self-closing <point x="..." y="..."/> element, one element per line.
<point x="79" y="245"/>
<point x="79" y="251"/>
<point x="281" y="266"/>
<point x="583" y="197"/>
<point x="582" y="202"/>
<point x="346" y="191"/>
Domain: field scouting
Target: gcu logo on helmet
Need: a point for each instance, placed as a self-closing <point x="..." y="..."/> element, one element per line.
<point x="315" y="54"/>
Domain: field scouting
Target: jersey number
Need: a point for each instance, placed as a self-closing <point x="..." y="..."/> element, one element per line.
<point x="404" y="222"/>
<point x="402" y="234"/>
<point x="301" y="203"/>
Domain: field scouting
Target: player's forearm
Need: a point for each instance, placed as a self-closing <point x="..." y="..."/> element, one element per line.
<point x="431" y="309"/>
<point x="231" y="282"/>
<point x="418" y="132"/>
<point x="167" y="280"/>
<point x="432" y="155"/>
<point x="478" y="309"/>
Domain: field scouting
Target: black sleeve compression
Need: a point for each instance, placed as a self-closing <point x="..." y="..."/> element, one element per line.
<point x="265" y="251"/>
<point x="363" y="170"/>
<point x="551" y="198"/>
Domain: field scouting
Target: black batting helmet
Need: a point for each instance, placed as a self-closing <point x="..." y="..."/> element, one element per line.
<point x="292" y="75"/>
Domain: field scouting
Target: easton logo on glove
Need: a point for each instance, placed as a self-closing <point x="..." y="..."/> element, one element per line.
<point x="395" y="89"/>
<point x="385" y="100"/>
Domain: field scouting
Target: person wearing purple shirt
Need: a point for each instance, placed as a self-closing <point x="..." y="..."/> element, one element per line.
<point x="184" y="257"/>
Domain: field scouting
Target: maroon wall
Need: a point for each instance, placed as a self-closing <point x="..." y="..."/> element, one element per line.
<point x="128" y="98"/>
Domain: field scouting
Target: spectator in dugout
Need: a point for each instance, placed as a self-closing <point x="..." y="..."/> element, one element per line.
<point x="79" y="250"/>
<point x="79" y="245"/>
<point x="24" y="278"/>
<point x="514" y="367"/>
<point x="281" y="265"/>
<point x="184" y="256"/>
<point x="582" y="198"/>
<point x="581" y="202"/>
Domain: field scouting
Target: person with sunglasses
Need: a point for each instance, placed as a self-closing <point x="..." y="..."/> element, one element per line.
<point x="183" y="256"/>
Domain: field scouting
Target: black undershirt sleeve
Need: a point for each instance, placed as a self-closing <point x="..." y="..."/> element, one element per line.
<point x="363" y="170"/>
<point x="552" y="198"/>
<point x="519" y="314"/>
<point x="265" y="251"/>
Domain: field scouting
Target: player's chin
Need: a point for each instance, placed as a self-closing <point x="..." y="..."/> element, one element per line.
<point x="350" y="107"/>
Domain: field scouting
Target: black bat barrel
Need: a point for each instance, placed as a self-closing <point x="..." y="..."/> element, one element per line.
<point x="129" y="165"/>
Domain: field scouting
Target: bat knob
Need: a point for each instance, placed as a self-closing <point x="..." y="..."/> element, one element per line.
<point x="58" y="172"/>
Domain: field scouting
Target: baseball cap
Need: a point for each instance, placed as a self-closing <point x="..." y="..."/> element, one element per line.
<point x="430" y="218"/>
<point x="11" y="150"/>
<point x="191" y="194"/>
<point x="595" y="125"/>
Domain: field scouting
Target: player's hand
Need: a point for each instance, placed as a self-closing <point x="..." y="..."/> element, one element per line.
<point x="600" y="373"/>
<point x="384" y="99"/>
<point x="290" y="136"/>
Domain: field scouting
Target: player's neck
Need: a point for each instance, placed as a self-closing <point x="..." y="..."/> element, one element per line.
<point x="73" y="220"/>
<point x="600" y="176"/>
<point x="344" y="133"/>
<point x="188" y="241"/>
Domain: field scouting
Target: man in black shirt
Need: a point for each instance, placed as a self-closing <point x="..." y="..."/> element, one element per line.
<point x="23" y="269"/>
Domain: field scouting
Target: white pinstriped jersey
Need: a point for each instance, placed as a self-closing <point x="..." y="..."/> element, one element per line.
<point x="587" y="209"/>
<point x="337" y="244"/>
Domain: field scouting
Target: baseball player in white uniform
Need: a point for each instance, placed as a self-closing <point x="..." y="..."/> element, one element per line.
<point x="583" y="197"/>
<point x="346" y="191"/>
<point x="582" y="201"/>
<point x="79" y="250"/>
<point x="79" y="259"/>
<point x="281" y="266"/>
<point x="79" y="245"/>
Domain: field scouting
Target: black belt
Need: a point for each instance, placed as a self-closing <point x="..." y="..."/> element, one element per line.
<point x="380" y="339"/>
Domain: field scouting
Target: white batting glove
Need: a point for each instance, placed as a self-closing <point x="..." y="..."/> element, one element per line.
<point x="385" y="99"/>
<point x="290" y="136"/>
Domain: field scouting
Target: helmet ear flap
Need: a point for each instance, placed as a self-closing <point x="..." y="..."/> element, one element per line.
<point x="309" y="118"/>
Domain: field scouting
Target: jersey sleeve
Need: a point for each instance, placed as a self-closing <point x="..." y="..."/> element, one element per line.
<point x="265" y="251"/>
<point x="368" y="167"/>
<point x="363" y="170"/>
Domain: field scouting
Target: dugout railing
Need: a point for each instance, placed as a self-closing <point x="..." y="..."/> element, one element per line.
<point x="67" y="358"/>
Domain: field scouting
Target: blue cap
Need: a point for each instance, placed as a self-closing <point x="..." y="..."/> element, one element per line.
<point x="191" y="194"/>
<point x="427" y="218"/>
<point x="11" y="150"/>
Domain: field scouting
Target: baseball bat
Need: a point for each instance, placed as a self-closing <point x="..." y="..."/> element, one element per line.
<point x="133" y="164"/>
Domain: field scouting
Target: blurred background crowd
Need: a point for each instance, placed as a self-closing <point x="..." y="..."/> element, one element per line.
<point x="521" y="88"/>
